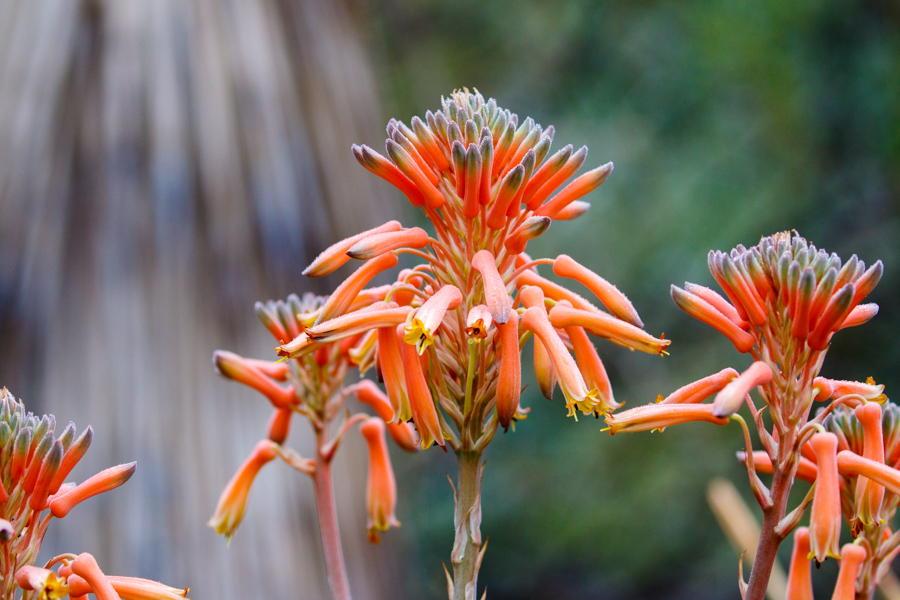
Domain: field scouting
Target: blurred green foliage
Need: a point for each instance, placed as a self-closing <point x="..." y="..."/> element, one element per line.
<point x="727" y="121"/>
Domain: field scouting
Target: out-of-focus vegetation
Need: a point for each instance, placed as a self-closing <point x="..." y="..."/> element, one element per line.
<point x="726" y="121"/>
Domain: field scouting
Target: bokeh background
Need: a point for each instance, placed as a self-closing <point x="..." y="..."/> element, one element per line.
<point x="164" y="164"/>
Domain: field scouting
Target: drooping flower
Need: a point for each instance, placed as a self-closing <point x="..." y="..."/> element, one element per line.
<point x="825" y="519"/>
<point x="233" y="501"/>
<point x="799" y="583"/>
<point x="381" y="489"/>
<point x="509" y="382"/>
<point x="852" y="557"/>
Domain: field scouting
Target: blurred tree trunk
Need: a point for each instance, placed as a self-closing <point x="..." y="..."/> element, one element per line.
<point x="162" y="165"/>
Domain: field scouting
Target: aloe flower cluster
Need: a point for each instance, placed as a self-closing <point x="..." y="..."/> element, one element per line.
<point x="868" y="459"/>
<point x="35" y="460"/>
<point x="311" y="385"/>
<point x="783" y="301"/>
<point x="445" y="337"/>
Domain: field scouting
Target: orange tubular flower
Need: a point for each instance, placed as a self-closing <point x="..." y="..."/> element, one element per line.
<point x="529" y="296"/>
<point x="850" y="464"/>
<point x="852" y="557"/>
<point x="509" y="384"/>
<point x="869" y="495"/>
<point x="381" y="489"/>
<point x="591" y="367"/>
<point x="86" y="566"/>
<point x="837" y="389"/>
<point x="572" y="211"/>
<point x="478" y="322"/>
<point x="375" y="316"/>
<point x="608" y="294"/>
<point x="581" y="186"/>
<point x="421" y="403"/>
<point x="236" y="368"/>
<point x="700" y="390"/>
<point x="339" y="301"/>
<point x="729" y="400"/>
<point x="577" y="394"/>
<point x="334" y="256"/>
<point x="280" y="425"/>
<point x="799" y="585"/>
<point x="135" y="588"/>
<point x="602" y="325"/>
<point x="496" y="297"/>
<point x="806" y="469"/>
<point x="43" y="581"/>
<point x="391" y="367"/>
<point x="233" y="500"/>
<point x="104" y="481"/>
<point x="860" y="315"/>
<point x="375" y="245"/>
<point x="659" y="416"/>
<point x="426" y="320"/>
<point x="402" y="433"/>
<point x="531" y="228"/>
<point x="825" y="520"/>
<point x="553" y="291"/>
<point x="700" y="309"/>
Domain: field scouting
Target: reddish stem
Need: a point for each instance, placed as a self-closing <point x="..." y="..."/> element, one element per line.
<point x="769" y="540"/>
<point x="328" y="523"/>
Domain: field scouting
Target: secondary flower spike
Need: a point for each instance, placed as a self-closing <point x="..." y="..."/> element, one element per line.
<point x="869" y="480"/>
<point x="781" y="302"/>
<point x="321" y="339"/>
<point x="488" y="183"/>
<point x="33" y="494"/>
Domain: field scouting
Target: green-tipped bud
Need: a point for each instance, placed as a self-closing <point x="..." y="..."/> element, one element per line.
<point x="48" y="468"/>
<point x="471" y="132"/>
<point x="458" y="158"/>
<point x="20" y="452"/>
<point x="271" y="322"/>
<point x="544" y="173"/>
<point x="473" y="182"/>
<point x="73" y="454"/>
<point x="454" y="134"/>
<point x="67" y="436"/>
<point x="34" y="464"/>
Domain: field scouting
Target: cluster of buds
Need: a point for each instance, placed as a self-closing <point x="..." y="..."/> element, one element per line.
<point x="311" y="385"/>
<point x="34" y="463"/>
<point x="784" y="300"/>
<point x="445" y="337"/>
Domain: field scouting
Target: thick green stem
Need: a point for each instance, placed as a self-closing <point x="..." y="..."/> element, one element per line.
<point x="328" y="523"/>
<point x="467" y="544"/>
